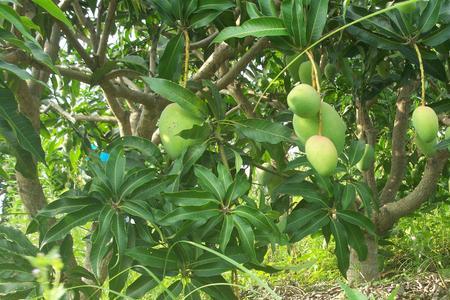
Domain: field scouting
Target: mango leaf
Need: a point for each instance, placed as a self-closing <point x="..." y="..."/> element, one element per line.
<point x="348" y="196"/>
<point x="209" y="264"/>
<point x="341" y="249"/>
<point x="170" y="64"/>
<point x="356" y="240"/>
<point x="149" y="150"/>
<point x="191" y="198"/>
<point x="430" y="15"/>
<point x="115" y="169"/>
<point x="138" y="209"/>
<point x="12" y="17"/>
<point x="300" y="217"/>
<point x="239" y="187"/>
<point x="119" y="231"/>
<point x="65" y="224"/>
<point x="437" y="37"/>
<point x="352" y="294"/>
<point x="66" y="205"/>
<point x="264" y="131"/>
<point x="210" y="285"/>
<point x="366" y="196"/>
<point x="40" y="55"/>
<point x="21" y="73"/>
<point x="21" y="125"/>
<point x="357" y="219"/>
<point x="154" y="258"/>
<point x="293" y="12"/>
<point x="258" y="219"/>
<point x="54" y="10"/>
<point x="141" y="286"/>
<point x="101" y="239"/>
<point x="315" y="225"/>
<point x="374" y="39"/>
<point x="356" y="152"/>
<point x="219" y="5"/>
<point x="317" y="17"/>
<point x="196" y="213"/>
<point x="246" y="237"/>
<point x="225" y="232"/>
<point x="257" y="27"/>
<point x="178" y="94"/>
<point x="134" y="60"/>
<point x="209" y="182"/>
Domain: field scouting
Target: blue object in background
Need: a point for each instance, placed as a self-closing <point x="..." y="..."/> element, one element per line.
<point x="94" y="147"/>
<point x="104" y="156"/>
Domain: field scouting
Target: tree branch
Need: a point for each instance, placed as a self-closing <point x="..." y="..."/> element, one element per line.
<point x="399" y="160"/>
<point x="85" y="22"/>
<point x="76" y="44"/>
<point x="242" y="63"/>
<point x="210" y="66"/>
<point x="73" y="118"/>
<point x="393" y="211"/>
<point x="101" y="52"/>
<point x="205" y="42"/>
<point x="82" y="76"/>
<point x="242" y="101"/>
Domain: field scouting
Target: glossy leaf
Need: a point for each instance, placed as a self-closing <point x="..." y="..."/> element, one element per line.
<point x="315" y="225"/>
<point x="430" y="15"/>
<point x="190" y="213"/>
<point x="54" y="10"/>
<point x="246" y="237"/>
<point x="191" y="198"/>
<point x="257" y="27"/>
<point x="170" y="64"/>
<point x="348" y="196"/>
<point x="66" y="205"/>
<point x="357" y="219"/>
<point x="119" y="231"/>
<point x="317" y="17"/>
<point x="264" y="131"/>
<point x="341" y="249"/>
<point x="209" y="182"/>
<point x="225" y="232"/>
<point x="356" y="152"/>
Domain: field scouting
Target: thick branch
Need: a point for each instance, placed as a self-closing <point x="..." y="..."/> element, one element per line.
<point x="242" y="63"/>
<point x="205" y="42"/>
<point x="76" y="44"/>
<point x="85" y="22"/>
<point x="210" y="66"/>
<point x="82" y="76"/>
<point x="118" y="111"/>
<point x="399" y="160"/>
<point x="393" y="211"/>
<point x="101" y="52"/>
<point x="242" y="101"/>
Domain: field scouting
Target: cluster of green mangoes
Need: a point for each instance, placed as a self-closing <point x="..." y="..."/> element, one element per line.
<point x="173" y="120"/>
<point x="426" y="125"/>
<point x="321" y="150"/>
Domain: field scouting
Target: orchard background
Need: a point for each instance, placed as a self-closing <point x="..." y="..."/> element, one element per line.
<point x="218" y="149"/>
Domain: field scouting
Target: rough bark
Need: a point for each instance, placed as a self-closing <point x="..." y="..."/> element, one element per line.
<point x="367" y="270"/>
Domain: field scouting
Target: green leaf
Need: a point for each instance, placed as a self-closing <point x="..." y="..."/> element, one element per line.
<point x="10" y="286"/>
<point x="264" y="131"/>
<point x="54" y="10"/>
<point x="356" y="240"/>
<point x="356" y="152"/>
<point x="66" y="205"/>
<point x="258" y="27"/>
<point x="40" y="55"/>
<point x="154" y="258"/>
<point x="300" y="217"/>
<point x="21" y="73"/>
<point x="315" y="225"/>
<point x="224" y="175"/>
<point x="204" y="18"/>
<point x="191" y="198"/>
<point x="12" y="17"/>
<point x="252" y="10"/>
<point x="305" y="189"/>
<point x="210" y="286"/>
<point x="219" y="5"/>
<point x="374" y="39"/>
<point x="27" y="137"/>
<point x="190" y="213"/>
<point x="348" y="196"/>
<point x="19" y="239"/>
<point x="101" y="239"/>
<point x="119" y="231"/>
<point x="317" y="17"/>
<point x="246" y="237"/>
<point x="170" y="64"/>
<point x="356" y="218"/>
<point x="258" y="219"/>
<point x="208" y="264"/>
<point x="115" y="169"/>
<point x="135" y="60"/>
<point x="209" y="182"/>
<point x="430" y="16"/>
<point x="178" y="94"/>
<point x="138" y="209"/>
<point x="341" y="250"/>
<point x="442" y="144"/>
<point x="366" y="196"/>
<point x="239" y="187"/>
<point x="437" y="37"/>
<point x="225" y="232"/>
<point x="65" y="224"/>
<point x="141" y="286"/>
<point x="135" y="181"/>
<point x="149" y="150"/>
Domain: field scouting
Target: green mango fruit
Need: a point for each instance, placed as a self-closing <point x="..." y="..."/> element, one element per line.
<point x="304" y="101"/>
<point x="367" y="158"/>
<point x="322" y="154"/>
<point x="330" y="72"/>
<point x="407" y="8"/>
<point x="426" y="148"/>
<point x="173" y="120"/>
<point x="333" y="127"/>
<point x="305" y="72"/>
<point x="426" y="123"/>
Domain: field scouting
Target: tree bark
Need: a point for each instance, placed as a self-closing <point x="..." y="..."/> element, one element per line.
<point x="367" y="270"/>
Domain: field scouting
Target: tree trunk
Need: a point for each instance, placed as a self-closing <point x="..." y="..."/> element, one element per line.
<point x="367" y="270"/>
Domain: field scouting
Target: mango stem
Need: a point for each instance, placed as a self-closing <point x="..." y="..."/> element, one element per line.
<point x="422" y="73"/>
<point x="187" y="44"/>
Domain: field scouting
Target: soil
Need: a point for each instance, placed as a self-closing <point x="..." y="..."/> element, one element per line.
<point x="427" y="286"/>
